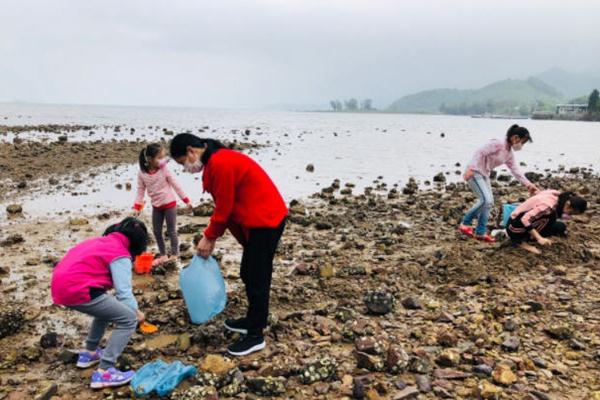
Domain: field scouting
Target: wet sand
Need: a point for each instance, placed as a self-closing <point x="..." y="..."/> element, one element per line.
<point x="375" y="296"/>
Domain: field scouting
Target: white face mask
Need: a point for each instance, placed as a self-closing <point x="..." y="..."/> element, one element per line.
<point x="194" y="167"/>
<point x="517" y="146"/>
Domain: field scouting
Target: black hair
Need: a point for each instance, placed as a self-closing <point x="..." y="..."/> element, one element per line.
<point x="180" y="143"/>
<point x="135" y="230"/>
<point x="577" y="203"/>
<point x="147" y="153"/>
<point x="519" y="131"/>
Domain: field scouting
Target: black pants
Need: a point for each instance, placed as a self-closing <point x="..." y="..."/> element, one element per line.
<point x="256" y="272"/>
<point x="517" y="232"/>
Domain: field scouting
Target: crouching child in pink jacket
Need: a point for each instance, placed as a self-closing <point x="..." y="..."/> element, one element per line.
<point x="538" y="218"/>
<point x="81" y="281"/>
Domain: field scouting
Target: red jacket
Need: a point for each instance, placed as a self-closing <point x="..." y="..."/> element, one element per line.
<point x="245" y="196"/>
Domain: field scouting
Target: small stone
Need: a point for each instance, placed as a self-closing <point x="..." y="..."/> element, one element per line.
<point x="78" y="221"/>
<point x="418" y="365"/>
<point x="483" y="369"/>
<point x="358" y="388"/>
<point x="184" y="341"/>
<point x="48" y="392"/>
<point x="534" y="306"/>
<point x="559" y="332"/>
<point x="409" y="392"/>
<point x="448" y="358"/>
<point x="13" y="239"/>
<point x="326" y="271"/>
<point x="447" y="373"/>
<point x="412" y="303"/>
<point x="49" y="340"/>
<point x="310" y="168"/>
<point x="539" y="362"/>
<point x="267" y="386"/>
<point x="216" y="364"/>
<point x="423" y="383"/>
<point x="369" y="362"/>
<point x="487" y="390"/>
<point x="373" y="395"/>
<point x="510" y="325"/>
<point x="322" y="388"/>
<point x="68" y="356"/>
<point x="511" y="344"/>
<point x="440" y="177"/>
<point x="14" y="209"/>
<point x="322" y="370"/>
<point x="503" y="375"/>
<point x="540" y="395"/>
<point x="576" y="344"/>
<point x="369" y="345"/>
<point x="447" y="339"/>
<point x="397" y="359"/>
<point x="32" y="353"/>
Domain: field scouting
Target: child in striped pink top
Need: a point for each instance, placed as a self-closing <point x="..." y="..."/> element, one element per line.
<point x="155" y="179"/>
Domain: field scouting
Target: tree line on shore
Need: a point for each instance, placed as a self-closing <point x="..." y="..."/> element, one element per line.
<point x="352" y="105"/>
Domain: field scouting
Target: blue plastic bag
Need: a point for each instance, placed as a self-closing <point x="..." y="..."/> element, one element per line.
<point x="507" y="209"/>
<point x="160" y="377"/>
<point x="203" y="289"/>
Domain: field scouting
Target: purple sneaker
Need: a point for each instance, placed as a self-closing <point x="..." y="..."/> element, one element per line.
<point x="110" y="378"/>
<point x="87" y="359"/>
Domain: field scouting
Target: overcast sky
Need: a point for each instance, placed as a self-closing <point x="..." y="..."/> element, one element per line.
<point x="254" y="53"/>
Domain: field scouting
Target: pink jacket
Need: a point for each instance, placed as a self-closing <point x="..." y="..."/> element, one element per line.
<point x="159" y="185"/>
<point x="539" y="206"/>
<point x="85" y="266"/>
<point x="494" y="154"/>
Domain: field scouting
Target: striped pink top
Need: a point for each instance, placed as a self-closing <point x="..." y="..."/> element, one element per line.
<point x="494" y="154"/>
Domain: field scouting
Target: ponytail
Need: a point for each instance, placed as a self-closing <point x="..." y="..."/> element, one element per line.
<point x="135" y="230"/>
<point x="182" y="141"/>
<point x="147" y="153"/>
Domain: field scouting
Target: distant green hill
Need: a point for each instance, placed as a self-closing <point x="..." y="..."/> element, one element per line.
<point x="511" y="96"/>
<point x="572" y="84"/>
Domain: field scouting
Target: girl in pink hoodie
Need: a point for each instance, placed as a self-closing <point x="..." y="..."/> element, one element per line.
<point x="156" y="179"/>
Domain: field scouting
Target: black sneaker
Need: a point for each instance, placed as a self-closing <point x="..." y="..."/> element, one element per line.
<point x="247" y="344"/>
<point x="237" y="325"/>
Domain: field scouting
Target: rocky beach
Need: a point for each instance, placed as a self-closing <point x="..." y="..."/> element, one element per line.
<point x="375" y="295"/>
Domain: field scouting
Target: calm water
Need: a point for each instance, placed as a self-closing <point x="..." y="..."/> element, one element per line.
<point x="354" y="148"/>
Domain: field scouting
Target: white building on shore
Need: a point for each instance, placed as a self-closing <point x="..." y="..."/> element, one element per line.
<point x="571" y="109"/>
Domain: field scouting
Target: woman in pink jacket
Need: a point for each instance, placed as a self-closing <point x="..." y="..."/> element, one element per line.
<point x="538" y="218"/>
<point x="156" y="179"/>
<point x="490" y="156"/>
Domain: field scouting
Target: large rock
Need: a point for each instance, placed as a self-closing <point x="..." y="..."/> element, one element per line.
<point x="397" y="359"/>
<point x="322" y="370"/>
<point x="14" y="209"/>
<point x="216" y="364"/>
<point x="266" y="386"/>
<point x="369" y="362"/>
<point x="379" y="302"/>
<point x="12" y="240"/>
<point x="11" y="321"/>
<point x="503" y="375"/>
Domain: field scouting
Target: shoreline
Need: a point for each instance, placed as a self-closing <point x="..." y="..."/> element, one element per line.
<point x="459" y="305"/>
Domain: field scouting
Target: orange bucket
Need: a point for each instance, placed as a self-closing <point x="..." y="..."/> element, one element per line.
<point x="143" y="263"/>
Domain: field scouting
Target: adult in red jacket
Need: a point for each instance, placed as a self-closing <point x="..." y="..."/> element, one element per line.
<point x="250" y="206"/>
